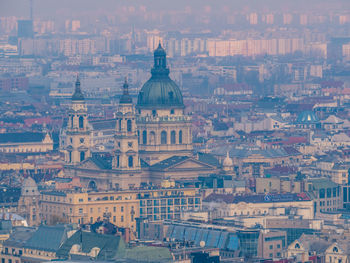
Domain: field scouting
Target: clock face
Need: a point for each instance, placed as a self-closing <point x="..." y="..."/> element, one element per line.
<point x="81" y="140"/>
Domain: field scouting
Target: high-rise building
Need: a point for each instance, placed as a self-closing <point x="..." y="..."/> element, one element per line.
<point x="25" y="29"/>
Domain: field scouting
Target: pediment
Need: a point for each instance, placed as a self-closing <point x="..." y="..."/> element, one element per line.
<point x="190" y="164"/>
<point x="88" y="164"/>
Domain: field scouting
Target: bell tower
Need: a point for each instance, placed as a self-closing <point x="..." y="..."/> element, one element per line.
<point x="126" y="148"/>
<point x="77" y="146"/>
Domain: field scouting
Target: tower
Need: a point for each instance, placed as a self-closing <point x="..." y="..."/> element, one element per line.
<point x="28" y="203"/>
<point x="163" y="128"/>
<point x="77" y="145"/>
<point x="126" y="148"/>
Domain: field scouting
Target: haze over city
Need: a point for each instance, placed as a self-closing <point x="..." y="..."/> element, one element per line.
<point x="175" y="131"/>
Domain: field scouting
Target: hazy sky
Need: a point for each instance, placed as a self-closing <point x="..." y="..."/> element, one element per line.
<point x="51" y="7"/>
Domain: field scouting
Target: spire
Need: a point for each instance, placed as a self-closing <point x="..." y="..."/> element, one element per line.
<point x="78" y="95"/>
<point x="125" y="98"/>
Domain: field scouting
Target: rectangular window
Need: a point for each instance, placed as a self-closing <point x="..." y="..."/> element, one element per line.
<point x="329" y="192"/>
<point x="114" y="219"/>
<point x="80" y="210"/>
<point x="122" y="209"/>
<point x="122" y="219"/>
<point x="114" y="209"/>
<point x="345" y="195"/>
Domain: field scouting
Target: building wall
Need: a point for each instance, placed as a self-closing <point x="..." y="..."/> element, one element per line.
<point x="152" y="150"/>
<point x="168" y="204"/>
<point x="251" y="209"/>
<point x="120" y="207"/>
<point x="271" y="244"/>
<point x="30" y="147"/>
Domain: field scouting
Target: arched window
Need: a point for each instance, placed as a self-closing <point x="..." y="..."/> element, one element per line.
<point x="171" y="95"/>
<point x="131" y="161"/>
<point x="72" y="122"/>
<point x="173" y="137"/>
<point x="70" y="156"/>
<point x="144" y="137"/>
<point x="152" y="139"/>
<point x="92" y="185"/>
<point x="82" y="156"/>
<point x="163" y="137"/>
<point x="138" y="136"/>
<point x="81" y="122"/>
<point x="120" y="124"/>
<point x="129" y="126"/>
<point x="180" y="137"/>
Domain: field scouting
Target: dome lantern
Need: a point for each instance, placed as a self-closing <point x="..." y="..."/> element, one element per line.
<point x="77" y="95"/>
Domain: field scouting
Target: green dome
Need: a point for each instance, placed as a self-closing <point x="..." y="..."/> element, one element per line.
<point x="160" y="91"/>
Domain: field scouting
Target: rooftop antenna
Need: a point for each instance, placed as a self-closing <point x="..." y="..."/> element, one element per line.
<point x="31" y="9"/>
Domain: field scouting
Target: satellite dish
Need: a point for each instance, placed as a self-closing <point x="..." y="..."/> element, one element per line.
<point x="202" y="243"/>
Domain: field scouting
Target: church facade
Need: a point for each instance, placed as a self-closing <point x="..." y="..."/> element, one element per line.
<point x="152" y="140"/>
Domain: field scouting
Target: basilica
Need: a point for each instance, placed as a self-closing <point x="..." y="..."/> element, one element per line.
<point x="152" y="139"/>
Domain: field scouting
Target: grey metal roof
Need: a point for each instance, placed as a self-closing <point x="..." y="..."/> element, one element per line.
<point x="22" y="137"/>
<point x="246" y="152"/>
<point x="19" y="236"/>
<point x="47" y="238"/>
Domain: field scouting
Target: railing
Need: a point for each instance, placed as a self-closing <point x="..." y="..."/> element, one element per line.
<point x="163" y="118"/>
